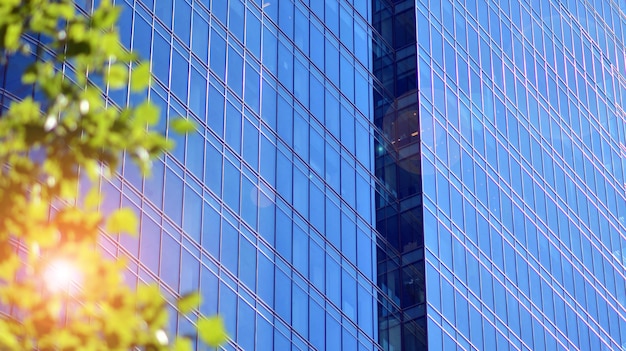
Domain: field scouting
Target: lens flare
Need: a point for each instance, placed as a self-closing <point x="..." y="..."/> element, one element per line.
<point x="59" y="275"/>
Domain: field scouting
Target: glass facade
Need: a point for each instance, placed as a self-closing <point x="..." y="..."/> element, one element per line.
<point x="383" y="175"/>
<point x="521" y="107"/>
<point x="267" y="207"/>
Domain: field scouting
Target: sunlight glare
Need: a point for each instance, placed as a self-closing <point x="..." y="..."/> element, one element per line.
<point x="59" y="275"/>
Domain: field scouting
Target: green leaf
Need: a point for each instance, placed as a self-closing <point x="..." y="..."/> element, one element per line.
<point x="110" y="44"/>
<point x="182" y="125"/>
<point x="64" y="10"/>
<point x="77" y="31"/>
<point x="122" y="220"/>
<point x="67" y="10"/>
<point x="140" y="77"/>
<point x="117" y="76"/>
<point x="188" y="302"/>
<point x="12" y="36"/>
<point x="147" y="113"/>
<point x="106" y="15"/>
<point x="211" y="330"/>
<point x="30" y="75"/>
<point x="76" y="48"/>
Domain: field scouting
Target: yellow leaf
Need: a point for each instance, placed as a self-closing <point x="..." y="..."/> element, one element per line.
<point x="188" y="302"/>
<point x="148" y="293"/>
<point x="182" y="344"/>
<point x="93" y="198"/>
<point x="8" y="338"/>
<point x="8" y="267"/>
<point x="45" y="235"/>
<point x="211" y="330"/>
<point x="38" y="211"/>
<point x="122" y="220"/>
<point x="69" y="190"/>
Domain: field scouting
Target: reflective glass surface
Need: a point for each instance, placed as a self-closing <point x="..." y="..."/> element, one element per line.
<point x="266" y="207"/>
<point x="394" y="175"/>
<point x="522" y="141"/>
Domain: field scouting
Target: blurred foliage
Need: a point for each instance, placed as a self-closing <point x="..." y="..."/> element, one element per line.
<point x="71" y="134"/>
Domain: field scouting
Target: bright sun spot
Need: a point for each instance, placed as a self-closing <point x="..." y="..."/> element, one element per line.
<point x="59" y="275"/>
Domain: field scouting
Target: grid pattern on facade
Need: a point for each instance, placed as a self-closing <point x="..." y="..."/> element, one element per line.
<point x="521" y="110"/>
<point x="267" y="207"/>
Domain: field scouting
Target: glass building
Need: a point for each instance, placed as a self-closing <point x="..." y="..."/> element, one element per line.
<point x="385" y="174"/>
<point x="521" y="113"/>
<point x="268" y="207"/>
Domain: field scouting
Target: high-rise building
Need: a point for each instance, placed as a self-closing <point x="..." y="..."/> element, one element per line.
<point x="268" y="207"/>
<point x="521" y="114"/>
<point x="385" y="174"/>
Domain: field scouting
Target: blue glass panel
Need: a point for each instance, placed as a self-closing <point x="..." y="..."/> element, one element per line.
<point x="300" y="251"/>
<point x="236" y="18"/>
<point x="233" y="127"/>
<point x="247" y="263"/>
<point x="200" y="37"/>
<point x="182" y="20"/>
<point x="192" y="214"/>
<point x="285" y="120"/>
<point x="232" y="186"/>
<point x="229" y="247"/>
<point x="173" y="192"/>
<point x="219" y="9"/>
<point x="284" y="235"/>
<point x="228" y="307"/>
<point x="198" y="94"/>
<point x="333" y="281"/>
<point x="215" y="115"/>
<point x="283" y="296"/>
<point x="265" y="277"/>
<point x="170" y="261"/>
<point x="150" y="243"/>
<point x="245" y="325"/>
<point x="190" y="275"/>
<point x="235" y="71"/>
<point x="208" y="288"/>
<point x="218" y="55"/>
<point x="211" y="225"/>
<point x="253" y="34"/>
<point x="161" y="58"/>
<point x="300" y="313"/>
<point x="316" y="319"/>
<point x="180" y="69"/>
<point x="249" y="202"/>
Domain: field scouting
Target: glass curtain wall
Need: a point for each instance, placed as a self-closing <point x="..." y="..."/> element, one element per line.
<point x="267" y="207"/>
<point x="521" y="108"/>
